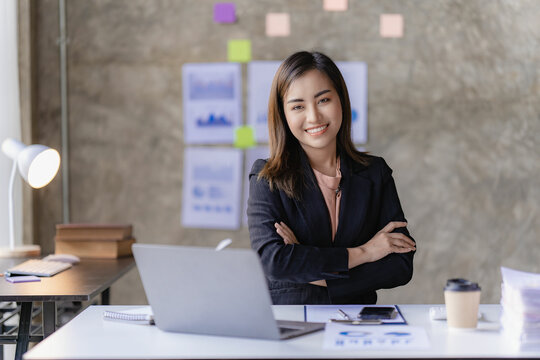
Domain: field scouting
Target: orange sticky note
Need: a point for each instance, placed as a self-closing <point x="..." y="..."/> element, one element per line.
<point x="278" y="24"/>
<point x="335" y="5"/>
<point x="391" y="25"/>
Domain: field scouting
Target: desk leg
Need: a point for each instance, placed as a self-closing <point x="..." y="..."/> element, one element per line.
<point x="106" y="297"/>
<point x="23" y="338"/>
<point x="49" y="318"/>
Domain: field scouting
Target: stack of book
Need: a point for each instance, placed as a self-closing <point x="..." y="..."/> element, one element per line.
<point x="520" y="319"/>
<point x="105" y="241"/>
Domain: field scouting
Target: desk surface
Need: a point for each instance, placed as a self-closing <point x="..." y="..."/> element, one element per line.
<point x="80" y="283"/>
<point x="88" y="336"/>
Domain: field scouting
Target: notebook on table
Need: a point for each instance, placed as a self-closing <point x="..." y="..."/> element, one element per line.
<point x="203" y="291"/>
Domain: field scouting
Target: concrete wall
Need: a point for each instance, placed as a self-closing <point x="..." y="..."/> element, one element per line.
<point x="454" y="107"/>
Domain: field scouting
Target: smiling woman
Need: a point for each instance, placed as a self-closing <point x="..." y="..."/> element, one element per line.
<point x="313" y="113"/>
<point x="324" y="218"/>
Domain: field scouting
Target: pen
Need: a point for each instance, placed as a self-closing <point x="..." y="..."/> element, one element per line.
<point x="357" y="322"/>
<point x="8" y="274"/>
<point x="343" y="314"/>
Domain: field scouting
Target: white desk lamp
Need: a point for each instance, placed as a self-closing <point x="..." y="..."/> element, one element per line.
<point x="38" y="165"/>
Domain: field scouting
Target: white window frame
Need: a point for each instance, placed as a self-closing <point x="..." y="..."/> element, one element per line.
<point x="10" y="116"/>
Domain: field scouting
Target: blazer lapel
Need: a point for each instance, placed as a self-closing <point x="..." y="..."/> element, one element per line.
<point x="355" y="199"/>
<point x="312" y="204"/>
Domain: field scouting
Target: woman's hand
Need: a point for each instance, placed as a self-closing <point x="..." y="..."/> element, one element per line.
<point x="383" y="243"/>
<point x="286" y="234"/>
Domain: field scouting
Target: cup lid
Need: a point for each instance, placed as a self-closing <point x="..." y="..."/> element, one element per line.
<point x="461" y="285"/>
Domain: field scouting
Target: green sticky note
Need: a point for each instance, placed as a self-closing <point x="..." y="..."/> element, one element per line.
<point x="239" y="50"/>
<point x="244" y="137"/>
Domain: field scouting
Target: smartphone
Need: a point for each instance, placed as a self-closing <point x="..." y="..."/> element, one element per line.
<point x="377" y="313"/>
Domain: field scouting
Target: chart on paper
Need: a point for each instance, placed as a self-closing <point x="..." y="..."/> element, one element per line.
<point x="339" y="336"/>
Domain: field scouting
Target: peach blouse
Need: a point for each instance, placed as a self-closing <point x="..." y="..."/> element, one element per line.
<point x="329" y="186"/>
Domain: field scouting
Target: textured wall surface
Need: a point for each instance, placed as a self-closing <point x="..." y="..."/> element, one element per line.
<point x="454" y="107"/>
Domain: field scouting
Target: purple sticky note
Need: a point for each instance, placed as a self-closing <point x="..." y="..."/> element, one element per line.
<point x="224" y="12"/>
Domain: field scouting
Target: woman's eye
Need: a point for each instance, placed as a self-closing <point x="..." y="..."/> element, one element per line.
<point x="324" y="100"/>
<point x="297" y="107"/>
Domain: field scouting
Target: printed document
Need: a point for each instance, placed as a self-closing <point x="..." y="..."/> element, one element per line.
<point x="375" y="337"/>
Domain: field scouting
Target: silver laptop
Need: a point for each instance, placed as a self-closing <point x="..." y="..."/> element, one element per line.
<point x="203" y="291"/>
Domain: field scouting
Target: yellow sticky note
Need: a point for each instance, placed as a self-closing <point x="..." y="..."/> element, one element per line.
<point x="335" y="5"/>
<point x="278" y="24"/>
<point x="244" y="137"/>
<point x="391" y="25"/>
<point x="239" y="50"/>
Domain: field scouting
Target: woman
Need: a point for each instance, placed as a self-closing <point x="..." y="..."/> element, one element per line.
<point x="324" y="218"/>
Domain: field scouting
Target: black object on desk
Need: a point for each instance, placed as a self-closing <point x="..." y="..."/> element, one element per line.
<point x="82" y="282"/>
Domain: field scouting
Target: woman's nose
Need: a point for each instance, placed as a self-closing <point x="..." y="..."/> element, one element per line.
<point x="313" y="114"/>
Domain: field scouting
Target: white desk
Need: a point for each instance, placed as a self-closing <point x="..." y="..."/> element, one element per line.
<point x="88" y="336"/>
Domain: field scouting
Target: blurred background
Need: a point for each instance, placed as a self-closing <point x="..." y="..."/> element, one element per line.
<point x="453" y="107"/>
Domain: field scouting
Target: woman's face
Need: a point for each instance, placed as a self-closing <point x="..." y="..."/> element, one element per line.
<point x="313" y="111"/>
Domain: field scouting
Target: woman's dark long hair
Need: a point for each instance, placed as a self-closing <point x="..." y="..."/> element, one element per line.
<point x="283" y="169"/>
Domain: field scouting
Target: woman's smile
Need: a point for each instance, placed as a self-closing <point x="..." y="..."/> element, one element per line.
<point x="316" y="131"/>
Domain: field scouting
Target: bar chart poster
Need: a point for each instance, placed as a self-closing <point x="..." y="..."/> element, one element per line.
<point x="260" y="77"/>
<point x="212" y="189"/>
<point x="355" y="76"/>
<point x="212" y="102"/>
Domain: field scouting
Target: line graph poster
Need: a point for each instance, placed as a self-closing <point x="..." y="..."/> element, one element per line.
<point x="211" y="193"/>
<point x="260" y="76"/>
<point x="355" y="75"/>
<point x="212" y="101"/>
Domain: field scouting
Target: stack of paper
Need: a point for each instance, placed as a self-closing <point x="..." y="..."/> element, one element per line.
<point x="520" y="319"/>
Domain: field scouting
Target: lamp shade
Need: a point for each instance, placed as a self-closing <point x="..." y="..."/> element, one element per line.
<point x="38" y="164"/>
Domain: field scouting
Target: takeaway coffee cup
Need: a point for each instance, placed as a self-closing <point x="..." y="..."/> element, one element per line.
<point x="462" y="298"/>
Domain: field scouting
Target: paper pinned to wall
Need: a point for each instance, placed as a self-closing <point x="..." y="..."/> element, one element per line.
<point x="278" y="24"/>
<point x="211" y="194"/>
<point x="244" y="137"/>
<point x="260" y="76"/>
<point x="335" y="5"/>
<point x="225" y="12"/>
<point x="391" y="25"/>
<point x="212" y="95"/>
<point x="259" y="152"/>
<point x="239" y="50"/>
<point x="355" y="75"/>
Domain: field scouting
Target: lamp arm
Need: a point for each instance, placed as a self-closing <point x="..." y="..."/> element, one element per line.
<point x="10" y="204"/>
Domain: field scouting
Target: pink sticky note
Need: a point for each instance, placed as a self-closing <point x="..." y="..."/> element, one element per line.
<point x="225" y="12"/>
<point x="391" y="25"/>
<point x="278" y="24"/>
<point x="335" y="5"/>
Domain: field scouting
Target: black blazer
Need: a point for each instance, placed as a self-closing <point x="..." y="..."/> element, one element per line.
<point x="369" y="201"/>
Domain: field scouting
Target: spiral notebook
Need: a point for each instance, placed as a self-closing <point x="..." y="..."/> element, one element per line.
<point x="142" y="315"/>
